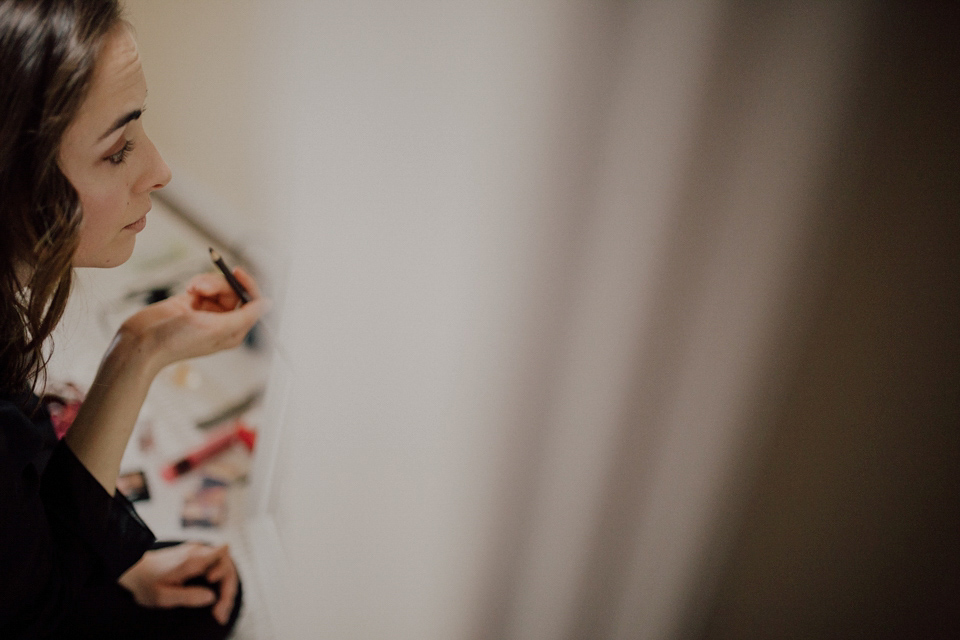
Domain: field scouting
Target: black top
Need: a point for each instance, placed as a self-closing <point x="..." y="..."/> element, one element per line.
<point x="60" y="531"/>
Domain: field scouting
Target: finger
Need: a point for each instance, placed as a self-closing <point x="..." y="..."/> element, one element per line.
<point x="200" y="558"/>
<point x="247" y="281"/>
<point x="217" y="571"/>
<point x="211" y="284"/>
<point x="169" y="596"/>
<point x="208" y="284"/>
<point x="214" y="287"/>
<point x="226" y="301"/>
<point x="228" y="592"/>
<point x="236" y="324"/>
<point x="224" y="572"/>
<point x="208" y="305"/>
<point x="212" y="292"/>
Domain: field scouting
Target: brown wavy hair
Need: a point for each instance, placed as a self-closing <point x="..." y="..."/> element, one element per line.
<point x="48" y="51"/>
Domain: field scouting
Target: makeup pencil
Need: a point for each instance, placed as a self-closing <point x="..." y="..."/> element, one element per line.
<point x="234" y="283"/>
<point x="245" y="298"/>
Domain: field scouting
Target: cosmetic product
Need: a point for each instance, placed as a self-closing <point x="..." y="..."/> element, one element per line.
<point x="245" y="297"/>
<point x="234" y="283"/>
<point x="220" y="440"/>
<point x="205" y="507"/>
<point x="234" y="410"/>
<point x="133" y="486"/>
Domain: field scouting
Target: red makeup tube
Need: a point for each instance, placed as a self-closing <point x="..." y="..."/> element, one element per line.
<point x="220" y="440"/>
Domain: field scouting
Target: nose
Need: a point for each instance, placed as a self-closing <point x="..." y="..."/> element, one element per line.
<point x="157" y="173"/>
<point x="164" y="174"/>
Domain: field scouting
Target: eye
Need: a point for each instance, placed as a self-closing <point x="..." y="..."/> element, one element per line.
<point x="121" y="155"/>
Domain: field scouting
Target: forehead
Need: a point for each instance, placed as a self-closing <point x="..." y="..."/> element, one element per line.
<point x="118" y="84"/>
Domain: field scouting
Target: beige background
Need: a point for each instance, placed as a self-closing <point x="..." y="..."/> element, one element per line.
<point x="204" y="97"/>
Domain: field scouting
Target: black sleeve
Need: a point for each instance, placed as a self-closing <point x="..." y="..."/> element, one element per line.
<point x="59" y="529"/>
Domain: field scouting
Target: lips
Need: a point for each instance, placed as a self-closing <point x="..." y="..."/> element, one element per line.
<point x="138" y="225"/>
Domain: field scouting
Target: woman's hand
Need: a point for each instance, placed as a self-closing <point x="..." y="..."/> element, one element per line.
<point x="203" y="320"/>
<point x="157" y="579"/>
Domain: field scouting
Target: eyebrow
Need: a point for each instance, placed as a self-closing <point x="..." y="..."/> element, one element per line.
<point x="122" y="121"/>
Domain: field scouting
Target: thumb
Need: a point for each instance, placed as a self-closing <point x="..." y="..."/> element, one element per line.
<point x="169" y="596"/>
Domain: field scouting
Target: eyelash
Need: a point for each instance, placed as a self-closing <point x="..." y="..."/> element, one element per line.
<point x="120" y="156"/>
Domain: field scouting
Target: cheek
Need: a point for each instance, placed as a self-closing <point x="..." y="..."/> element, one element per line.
<point x="104" y="216"/>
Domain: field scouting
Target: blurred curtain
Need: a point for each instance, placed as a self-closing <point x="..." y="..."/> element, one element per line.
<point x="849" y="520"/>
<point x="558" y="274"/>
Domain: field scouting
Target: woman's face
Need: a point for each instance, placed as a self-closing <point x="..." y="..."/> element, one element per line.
<point x="108" y="158"/>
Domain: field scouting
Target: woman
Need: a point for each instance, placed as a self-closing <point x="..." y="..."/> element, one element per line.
<point x="76" y="173"/>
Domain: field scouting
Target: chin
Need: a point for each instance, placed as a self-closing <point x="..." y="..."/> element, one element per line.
<point x="104" y="258"/>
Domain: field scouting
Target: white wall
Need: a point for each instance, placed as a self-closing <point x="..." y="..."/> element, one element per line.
<point x="431" y="156"/>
